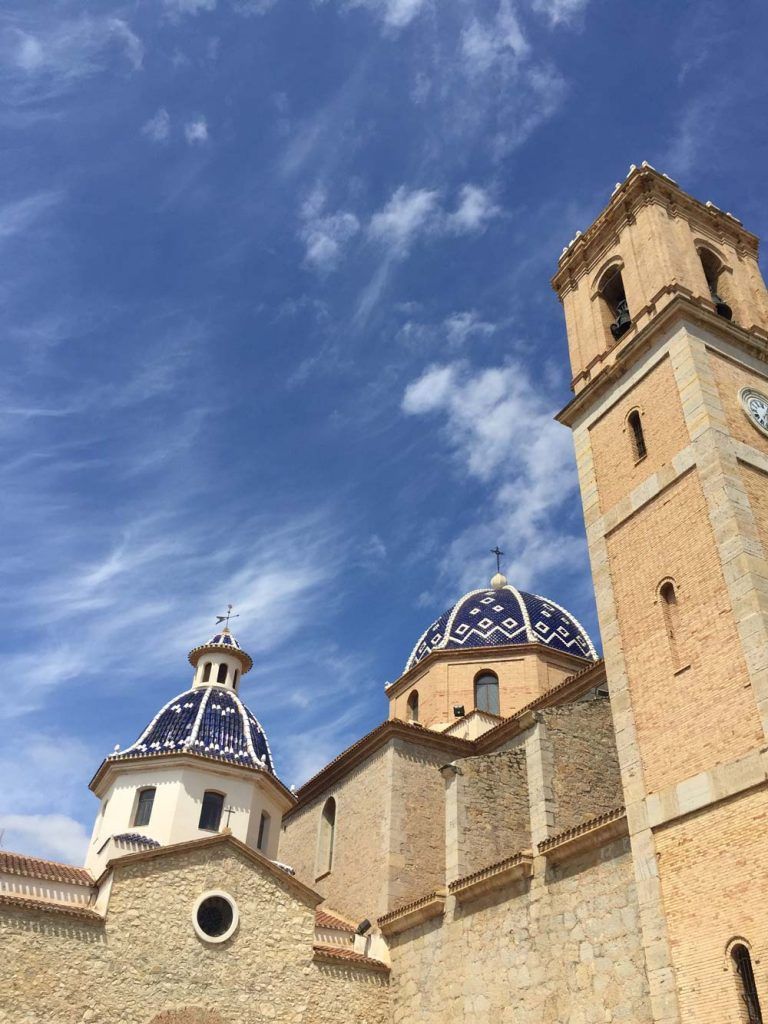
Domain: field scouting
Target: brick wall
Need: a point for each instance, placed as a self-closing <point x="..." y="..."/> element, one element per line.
<point x="678" y="703"/>
<point x="616" y="467"/>
<point x="494" y="817"/>
<point x="731" y="377"/>
<point x="714" y="877"/>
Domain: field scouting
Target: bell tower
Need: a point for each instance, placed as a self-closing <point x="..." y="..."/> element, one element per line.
<point x="667" y="321"/>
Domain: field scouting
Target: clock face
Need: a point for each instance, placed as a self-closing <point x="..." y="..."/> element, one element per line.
<point x="755" y="405"/>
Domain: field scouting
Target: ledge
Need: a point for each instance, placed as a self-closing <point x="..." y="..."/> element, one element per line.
<point x="588" y="836"/>
<point x="50" y="907"/>
<point x="338" y="956"/>
<point x="494" y="877"/>
<point x="412" y="914"/>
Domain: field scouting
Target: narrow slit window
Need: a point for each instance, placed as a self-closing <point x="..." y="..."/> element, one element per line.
<point x="487" y="693"/>
<point x="263" y="838"/>
<point x="144" y="807"/>
<point x="235" y="677"/>
<point x="222" y="675"/>
<point x="638" y="437"/>
<point x="671" y="610"/>
<point x="413" y="706"/>
<point x="206" y="671"/>
<point x="745" y="977"/>
<point x="210" y="815"/>
<point x="327" y="838"/>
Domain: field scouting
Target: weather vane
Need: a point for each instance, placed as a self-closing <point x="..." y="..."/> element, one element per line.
<point x="496" y="551"/>
<point x="225" y="618"/>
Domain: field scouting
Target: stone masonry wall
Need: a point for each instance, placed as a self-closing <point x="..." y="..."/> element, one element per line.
<point x="567" y="949"/>
<point x="585" y="779"/>
<point x="147" y="964"/>
<point x="494" y="817"/>
<point x="357" y="883"/>
<point x="417" y="824"/>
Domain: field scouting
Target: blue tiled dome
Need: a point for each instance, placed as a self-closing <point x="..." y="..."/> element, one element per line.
<point x="495" y="618"/>
<point x="222" y="640"/>
<point x="209" y="721"/>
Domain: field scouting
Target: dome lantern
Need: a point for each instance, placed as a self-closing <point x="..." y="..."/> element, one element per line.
<point x="221" y="661"/>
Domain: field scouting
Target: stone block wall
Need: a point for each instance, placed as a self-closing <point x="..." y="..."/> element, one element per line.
<point x="586" y="780"/>
<point x="494" y="818"/>
<point x="564" y="947"/>
<point x="147" y="964"/>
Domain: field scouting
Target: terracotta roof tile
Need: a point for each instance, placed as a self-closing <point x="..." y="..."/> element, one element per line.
<point x="70" y="909"/>
<point x="326" y="919"/>
<point x="50" y="870"/>
<point x="342" y="954"/>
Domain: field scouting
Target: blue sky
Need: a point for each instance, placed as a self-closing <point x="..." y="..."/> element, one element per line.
<point x="278" y="331"/>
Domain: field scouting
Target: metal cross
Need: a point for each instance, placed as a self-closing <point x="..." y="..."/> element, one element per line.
<point x="498" y="553"/>
<point x="225" y="618"/>
<point x="229" y="811"/>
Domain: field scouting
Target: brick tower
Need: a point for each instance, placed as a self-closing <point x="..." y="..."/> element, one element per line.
<point x="667" y="320"/>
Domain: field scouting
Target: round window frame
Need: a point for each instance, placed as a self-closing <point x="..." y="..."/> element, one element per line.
<point x="744" y="395"/>
<point x="204" y="936"/>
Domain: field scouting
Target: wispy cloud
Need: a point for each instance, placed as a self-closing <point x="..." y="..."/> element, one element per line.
<point x="177" y="7"/>
<point x="325" y="234"/>
<point x="18" y="216"/>
<point x="406" y="215"/>
<point x="158" y="127"/>
<point x="394" y="14"/>
<point x="196" y="131"/>
<point x="499" y="427"/>
<point x="561" y="12"/>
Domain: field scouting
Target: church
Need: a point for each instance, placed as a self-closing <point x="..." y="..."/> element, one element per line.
<point x="535" y="833"/>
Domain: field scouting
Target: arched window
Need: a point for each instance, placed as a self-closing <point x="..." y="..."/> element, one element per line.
<point x="235" y="677"/>
<point x="713" y="271"/>
<point x="636" y="433"/>
<point x="206" y="671"/>
<point x="612" y="292"/>
<point x="210" y="815"/>
<point x="263" y="839"/>
<point x="487" y="692"/>
<point x="144" y="806"/>
<point x="326" y="838"/>
<point x="413" y="706"/>
<point x="745" y="978"/>
<point x="222" y="675"/>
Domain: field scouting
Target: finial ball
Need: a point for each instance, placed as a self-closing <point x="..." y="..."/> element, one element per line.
<point x="499" y="581"/>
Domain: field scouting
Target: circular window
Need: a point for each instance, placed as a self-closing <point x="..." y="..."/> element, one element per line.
<point x="215" y="916"/>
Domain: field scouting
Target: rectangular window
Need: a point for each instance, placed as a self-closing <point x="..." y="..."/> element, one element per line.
<point x="210" y="815"/>
<point x="261" y="842"/>
<point x="144" y="807"/>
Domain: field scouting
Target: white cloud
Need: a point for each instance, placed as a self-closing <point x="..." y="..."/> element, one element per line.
<point x="560" y="11"/>
<point x="500" y="429"/>
<point x="71" y="49"/>
<point x="196" y="132"/>
<point x="325" y="234"/>
<point x="189" y="6"/>
<point x="484" y="44"/>
<point x="460" y="327"/>
<point x="406" y="214"/>
<point x="53" y="836"/>
<point x="474" y="211"/>
<point x="18" y="216"/>
<point x="158" y="127"/>
<point x="394" y="13"/>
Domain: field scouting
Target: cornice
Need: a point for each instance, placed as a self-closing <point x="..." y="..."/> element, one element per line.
<point x="681" y="307"/>
<point x="589" y="835"/>
<point x="425" y="908"/>
<point x="644" y="186"/>
<point x="493" y="877"/>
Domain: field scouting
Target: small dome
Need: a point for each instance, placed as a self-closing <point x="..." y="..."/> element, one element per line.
<point x="207" y="720"/>
<point x="500" y="616"/>
<point x="222" y="641"/>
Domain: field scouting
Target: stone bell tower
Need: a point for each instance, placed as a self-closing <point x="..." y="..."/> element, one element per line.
<point x="667" y="320"/>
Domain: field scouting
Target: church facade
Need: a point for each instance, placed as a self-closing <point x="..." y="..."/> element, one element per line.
<point x="535" y="833"/>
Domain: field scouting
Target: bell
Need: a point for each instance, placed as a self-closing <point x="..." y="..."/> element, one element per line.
<point x="623" y="320"/>
<point x="723" y="309"/>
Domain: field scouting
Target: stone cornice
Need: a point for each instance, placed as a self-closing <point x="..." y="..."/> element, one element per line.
<point x="493" y="877"/>
<point x="414" y="913"/>
<point x="681" y="307"/>
<point x="348" y="759"/>
<point x="644" y="185"/>
<point x="339" y="956"/>
<point x="589" y="835"/>
<point x="51" y="907"/>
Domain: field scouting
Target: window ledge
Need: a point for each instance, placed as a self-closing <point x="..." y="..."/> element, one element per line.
<point x="319" y="878"/>
<point x="641" y="459"/>
<point x="684" y="668"/>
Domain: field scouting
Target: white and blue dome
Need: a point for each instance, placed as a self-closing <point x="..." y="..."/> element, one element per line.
<point x="209" y="721"/>
<point x="501" y="616"/>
